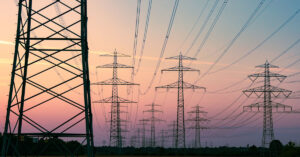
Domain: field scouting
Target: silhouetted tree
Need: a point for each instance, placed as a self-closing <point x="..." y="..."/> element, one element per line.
<point x="275" y="148"/>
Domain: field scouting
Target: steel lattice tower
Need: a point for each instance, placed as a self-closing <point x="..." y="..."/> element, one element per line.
<point x="44" y="75"/>
<point x="163" y="135"/>
<point x="143" y="123"/>
<point x="268" y="91"/>
<point x="173" y="135"/>
<point x="152" y="120"/>
<point x="180" y="85"/>
<point x="116" y="130"/>
<point x="197" y="119"/>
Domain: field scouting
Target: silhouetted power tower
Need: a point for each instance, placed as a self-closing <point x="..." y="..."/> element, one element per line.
<point x="173" y="135"/>
<point x="163" y="136"/>
<point x="197" y="119"/>
<point x="50" y="65"/>
<point x="152" y="120"/>
<point x="143" y="123"/>
<point x="180" y="85"/>
<point x="138" y="141"/>
<point x="267" y="91"/>
<point x="115" y="100"/>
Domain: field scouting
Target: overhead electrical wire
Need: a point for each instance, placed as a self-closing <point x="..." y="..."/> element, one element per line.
<point x="261" y="11"/>
<point x="145" y="36"/>
<point x="136" y="33"/>
<point x="234" y="39"/>
<point x="259" y="45"/>
<point x="163" y="47"/>
<point x="194" y="25"/>
<point x="287" y="50"/>
<point x="202" y="27"/>
<point x="211" y="28"/>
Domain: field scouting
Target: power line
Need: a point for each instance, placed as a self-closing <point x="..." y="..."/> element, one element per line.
<point x="202" y="27"/>
<point x="145" y="36"/>
<point x="194" y="25"/>
<point x="233" y="40"/>
<point x="163" y="47"/>
<point x="261" y="43"/>
<point x="211" y="28"/>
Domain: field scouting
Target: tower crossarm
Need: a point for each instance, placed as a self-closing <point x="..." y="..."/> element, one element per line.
<point x="116" y="81"/>
<point x="183" y="68"/>
<point x="201" y="128"/>
<point x="184" y="86"/>
<point x="111" y="100"/>
<point x="260" y="106"/>
<point x="197" y="111"/>
<point x="181" y="57"/>
<point x="259" y="91"/>
<point x="116" y="65"/>
<point x="267" y="65"/>
<point x="114" y="54"/>
<point x="279" y="77"/>
<point x="153" y="110"/>
<point x="152" y="105"/>
<point x="198" y="119"/>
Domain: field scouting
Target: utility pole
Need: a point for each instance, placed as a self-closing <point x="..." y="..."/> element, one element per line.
<point x="153" y="119"/>
<point x="115" y="100"/>
<point x="197" y="119"/>
<point x="267" y="91"/>
<point x="45" y="79"/>
<point x="180" y="85"/>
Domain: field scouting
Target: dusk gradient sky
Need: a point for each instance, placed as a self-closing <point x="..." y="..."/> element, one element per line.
<point x="111" y="25"/>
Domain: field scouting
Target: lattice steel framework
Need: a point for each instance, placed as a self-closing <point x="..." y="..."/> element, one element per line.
<point x="173" y="135"/>
<point x="143" y="124"/>
<point x="163" y="136"/>
<point x="267" y="91"/>
<point x="197" y="119"/>
<point x="180" y="85"/>
<point x="152" y="120"/>
<point x="116" y="130"/>
<point x="50" y="65"/>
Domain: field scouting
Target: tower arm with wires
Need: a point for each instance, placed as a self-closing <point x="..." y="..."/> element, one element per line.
<point x="267" y="91"/>
<point x="116" y="138"/>
<point x="180" y="85"/>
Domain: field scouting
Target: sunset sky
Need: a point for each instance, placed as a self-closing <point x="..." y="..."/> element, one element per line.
<point x="111" y="25"/>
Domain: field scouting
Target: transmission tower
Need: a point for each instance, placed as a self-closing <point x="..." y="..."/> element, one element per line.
<point x="180" y="85"/>
<point x="143" y="123"/>
<point x="197" y="119"/>
<point x="173" y="130"/>
<point x="267" y="91"/>
<point x="44" y="75"/>
<point x="138" y="142"/>
<point x="115" y="101"/>
<point x="163" y="135"/>
<point x="153" y="119"/>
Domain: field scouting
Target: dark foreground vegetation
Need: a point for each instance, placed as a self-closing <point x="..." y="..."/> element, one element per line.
<point x="58" y="147"/>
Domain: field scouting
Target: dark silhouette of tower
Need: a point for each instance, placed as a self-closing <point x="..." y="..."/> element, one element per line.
<point x="267" y="91"/>
<point x="180" y="85"/>
<point x="143" y="123"/>
<point x="50" y="66"/>
<point x="197" y="119"/>
<point x="115" y="100"/>
<point x="163" y="136"/>
<point x="152" y="120"/>
<point x="173" y="135"/>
